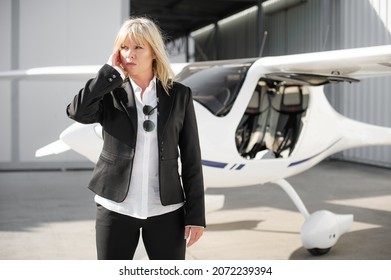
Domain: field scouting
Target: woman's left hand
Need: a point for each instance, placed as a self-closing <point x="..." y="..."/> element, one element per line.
<point x="192" y="234"/>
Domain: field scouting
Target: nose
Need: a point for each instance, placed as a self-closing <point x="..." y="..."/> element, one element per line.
<point x="129" y="54"/>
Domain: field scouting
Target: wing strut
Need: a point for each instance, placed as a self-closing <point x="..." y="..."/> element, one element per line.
<point x="294" y="196"/>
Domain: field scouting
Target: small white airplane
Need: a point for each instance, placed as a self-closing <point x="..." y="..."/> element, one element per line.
<point x="261" y="120"/>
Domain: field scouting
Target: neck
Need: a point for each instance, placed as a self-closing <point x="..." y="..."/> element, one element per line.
<point x="142" y="82"/>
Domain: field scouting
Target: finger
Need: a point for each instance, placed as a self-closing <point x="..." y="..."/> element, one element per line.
<point x="195" y="235"/>
<point x="193" y="239"/>
<point x="187" y="232"/>
<point x="116" y="58"/>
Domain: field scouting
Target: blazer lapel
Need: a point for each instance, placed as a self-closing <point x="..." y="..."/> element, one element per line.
<point x="165" y="103"/>
<point x="125" y="97"/>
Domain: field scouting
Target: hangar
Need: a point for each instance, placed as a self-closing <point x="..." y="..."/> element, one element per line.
<point x="69" y="32"/>
<point x="196" y="31"/>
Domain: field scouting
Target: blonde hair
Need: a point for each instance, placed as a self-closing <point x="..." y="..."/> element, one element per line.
<point x="143" y="30"/>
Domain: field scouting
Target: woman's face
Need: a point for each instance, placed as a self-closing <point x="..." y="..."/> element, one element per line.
<point x="137" y="59"/>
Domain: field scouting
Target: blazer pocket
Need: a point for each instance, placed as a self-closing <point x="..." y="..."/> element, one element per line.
<point x="170" y="182"/>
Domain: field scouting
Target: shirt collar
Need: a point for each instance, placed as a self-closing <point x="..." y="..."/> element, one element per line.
<point x="137" y="90"/>
<point x="136" y="87"/>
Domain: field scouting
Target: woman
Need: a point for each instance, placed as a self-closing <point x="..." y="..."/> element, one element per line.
<point x="148" y="122"/>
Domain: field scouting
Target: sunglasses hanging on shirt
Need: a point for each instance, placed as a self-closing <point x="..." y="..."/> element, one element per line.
<point x="148" y="111"/>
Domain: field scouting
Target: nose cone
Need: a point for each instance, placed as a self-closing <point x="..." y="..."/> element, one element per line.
<point x="322" y="229"/>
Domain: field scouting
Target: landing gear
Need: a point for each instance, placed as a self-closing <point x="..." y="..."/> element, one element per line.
<point x="322" y="229"/>
<point x="318" y="252"/>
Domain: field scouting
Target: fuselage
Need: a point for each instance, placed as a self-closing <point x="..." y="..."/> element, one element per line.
<point x="255" y="126"/>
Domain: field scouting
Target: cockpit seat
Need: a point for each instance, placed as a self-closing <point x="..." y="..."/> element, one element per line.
<point x="287" y="107"/>
<point x="251" y="130"/>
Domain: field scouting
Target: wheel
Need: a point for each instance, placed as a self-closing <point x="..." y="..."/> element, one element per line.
<point x="318" y="251"/>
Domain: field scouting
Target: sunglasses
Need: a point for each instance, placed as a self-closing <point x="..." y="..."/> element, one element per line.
<point x="148" y="111"/>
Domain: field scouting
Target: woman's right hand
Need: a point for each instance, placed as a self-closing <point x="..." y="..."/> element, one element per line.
<point x="115" y="61"/>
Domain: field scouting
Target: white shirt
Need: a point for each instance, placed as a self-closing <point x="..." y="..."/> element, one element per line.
<point x="143" y="199"/>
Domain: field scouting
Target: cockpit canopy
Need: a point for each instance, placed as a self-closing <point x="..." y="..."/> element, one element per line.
<point x="215" y="85"/>
<point x="272" y="121"/>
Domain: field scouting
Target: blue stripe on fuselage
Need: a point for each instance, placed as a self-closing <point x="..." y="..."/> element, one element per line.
<point x="221" y="165"/>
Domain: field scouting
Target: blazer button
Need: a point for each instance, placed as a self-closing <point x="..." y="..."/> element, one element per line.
<point x="110" y="79"/>
<point x="113" y="76"/>
<point x="162" y="157"/>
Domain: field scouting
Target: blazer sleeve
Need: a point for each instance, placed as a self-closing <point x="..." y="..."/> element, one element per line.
<point x="192" y="177"/>
<point x="86" y="106"/>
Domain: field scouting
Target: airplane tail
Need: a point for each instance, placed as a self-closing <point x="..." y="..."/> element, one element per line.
<point x="358" y="134"/>
<point x="337" y="132"/>
<point x="54" y="148"/>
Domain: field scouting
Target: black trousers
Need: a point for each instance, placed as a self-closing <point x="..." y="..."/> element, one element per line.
<point x="117" y="235"/>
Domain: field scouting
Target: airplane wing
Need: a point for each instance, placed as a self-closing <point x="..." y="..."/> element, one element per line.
<point x="357" y="63"/>
<point x="81" y="72"/>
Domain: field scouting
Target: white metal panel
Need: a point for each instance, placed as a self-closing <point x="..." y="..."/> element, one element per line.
<point x="49" y="33"/>
<point x="5" y="86"/>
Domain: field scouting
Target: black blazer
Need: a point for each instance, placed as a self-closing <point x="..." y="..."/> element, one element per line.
<point x="104" y="99"/>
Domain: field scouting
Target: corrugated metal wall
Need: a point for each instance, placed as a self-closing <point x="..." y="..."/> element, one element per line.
<point x="231" y="38"/>
<point x="367" y="23"/>
<point x="318" y="25"/>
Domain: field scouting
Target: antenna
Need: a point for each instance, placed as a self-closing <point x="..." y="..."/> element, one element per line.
<point x="263" y="43"/>
<point x="325" y="38"/>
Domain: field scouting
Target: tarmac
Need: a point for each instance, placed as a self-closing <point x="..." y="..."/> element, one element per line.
<point x="49" y="215"/>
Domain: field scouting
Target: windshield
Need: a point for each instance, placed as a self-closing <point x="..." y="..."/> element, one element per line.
<point x="215" y="85"/>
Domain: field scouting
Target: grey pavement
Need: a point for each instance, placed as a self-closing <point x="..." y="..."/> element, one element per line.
<point x="50" y="216"/>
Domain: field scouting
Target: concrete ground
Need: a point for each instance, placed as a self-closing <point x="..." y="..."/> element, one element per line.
<point x="50" y="215"/>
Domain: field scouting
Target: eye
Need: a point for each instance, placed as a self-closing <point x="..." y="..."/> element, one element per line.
<point x="123" y="47"/>
<point x="138" y="47"/>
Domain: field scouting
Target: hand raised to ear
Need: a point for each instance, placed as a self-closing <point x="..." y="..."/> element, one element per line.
<point x="115" y="61"/>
